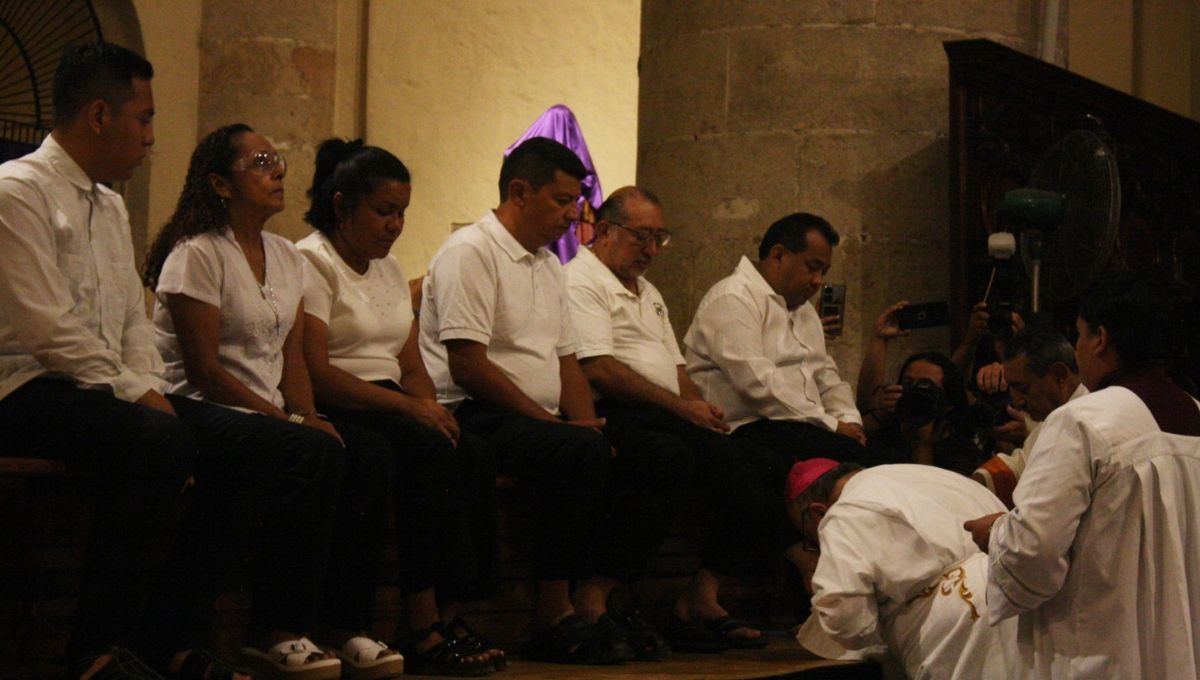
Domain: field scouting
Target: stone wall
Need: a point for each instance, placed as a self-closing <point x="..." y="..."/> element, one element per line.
<point x="753" y="109"/>
<point x="271" y="64"/>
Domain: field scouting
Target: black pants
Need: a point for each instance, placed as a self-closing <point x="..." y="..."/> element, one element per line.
<point x="274" y="488"/>
<point x="737" y="479"/>
<point x="561" y="471"/>
<point x="139" y="458"/>
<point x="445" y="505"/>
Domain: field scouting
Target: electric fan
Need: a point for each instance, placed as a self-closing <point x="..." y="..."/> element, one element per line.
<point x="1065" y="222"/>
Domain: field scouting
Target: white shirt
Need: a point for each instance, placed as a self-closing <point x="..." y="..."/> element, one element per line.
<point x="1101" y="555"/>
<point x="756" y="359"/>
<point x="255" y="320"/>
<point x="485" y="287"/>
<point x="897" y="568"/>
<point x="71" y="303"/>
<point x="612" y="321"/>
<point x="369" y="315"/>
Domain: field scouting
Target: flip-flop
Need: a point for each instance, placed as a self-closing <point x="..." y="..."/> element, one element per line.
<point x="724" y="626"/>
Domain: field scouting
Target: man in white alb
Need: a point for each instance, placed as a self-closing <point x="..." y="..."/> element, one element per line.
<point x="1099" y="557"/>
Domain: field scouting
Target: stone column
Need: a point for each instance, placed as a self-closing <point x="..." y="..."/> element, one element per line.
<point x="271" y="64"/>
<point x="753" y="109"/>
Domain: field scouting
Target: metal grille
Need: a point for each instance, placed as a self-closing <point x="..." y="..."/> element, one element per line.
<point x="33" y="36"/>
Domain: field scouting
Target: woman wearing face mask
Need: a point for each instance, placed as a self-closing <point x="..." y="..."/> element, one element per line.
<point x="229" y="302"/>
<point x="360" y="341"/>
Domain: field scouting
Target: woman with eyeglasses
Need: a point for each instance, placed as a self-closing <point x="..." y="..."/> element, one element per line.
<point x="360" y="340"/>
<point x="270" y="473"/>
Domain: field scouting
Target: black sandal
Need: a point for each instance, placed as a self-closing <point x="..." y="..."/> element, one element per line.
<point x="474" y="644"/>
<point x="201" y="664"/>
<point x="445" y="658"/>
<point x="573" y="640"/>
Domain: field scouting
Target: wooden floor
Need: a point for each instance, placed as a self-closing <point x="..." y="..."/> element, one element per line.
<point x="782" y="659"/>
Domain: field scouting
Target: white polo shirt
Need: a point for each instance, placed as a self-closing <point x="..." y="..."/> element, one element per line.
<point x="484" y="286"/>
<point x="752" y="356"/>
<point x="612" y="321"/>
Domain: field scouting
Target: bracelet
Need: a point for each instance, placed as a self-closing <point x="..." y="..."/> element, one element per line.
<point x="297" y="418"/>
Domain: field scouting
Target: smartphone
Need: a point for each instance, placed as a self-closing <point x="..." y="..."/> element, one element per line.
<point x="924" y="315"/>
<point x="833" y="303"/>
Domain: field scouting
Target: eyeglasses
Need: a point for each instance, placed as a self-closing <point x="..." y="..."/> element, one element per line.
<point x="646" y="236"/>
<point x="264" y="161"/>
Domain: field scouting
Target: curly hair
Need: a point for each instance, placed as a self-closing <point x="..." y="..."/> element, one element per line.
<point x="200" y="209"/>
<point x="353" y="170"/>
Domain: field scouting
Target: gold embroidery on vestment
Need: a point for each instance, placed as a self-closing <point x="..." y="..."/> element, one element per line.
<point x="955" y="579"/>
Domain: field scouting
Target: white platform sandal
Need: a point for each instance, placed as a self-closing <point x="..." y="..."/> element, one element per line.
<point x="291" y="660"/>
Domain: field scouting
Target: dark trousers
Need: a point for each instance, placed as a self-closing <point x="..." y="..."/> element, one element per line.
<point x="139" y="458"/>
<point x="274" y="488"/>
<point x="780" y="444"/>
<point x="561" y="471"/>
<point x="735" y="478"/>
<point x="445" y="507"/>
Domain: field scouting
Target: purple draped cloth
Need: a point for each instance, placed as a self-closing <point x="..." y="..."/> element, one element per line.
<point x="559" y="124"/>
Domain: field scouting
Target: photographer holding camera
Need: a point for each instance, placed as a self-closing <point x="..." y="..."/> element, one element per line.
<point x="922" y="418"/>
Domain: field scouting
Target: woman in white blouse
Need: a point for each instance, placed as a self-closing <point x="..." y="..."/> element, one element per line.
<point x="228" y="298"/>
<point x="360" y="340"/>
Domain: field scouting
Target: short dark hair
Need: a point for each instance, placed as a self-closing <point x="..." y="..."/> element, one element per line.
<point x="1137" y="314"/>
<point x="1042" y="347"/>
<point x="952" y="380"/>
<point x="94" y="71"/>
<point x="352" y="169"/>
<point x="791" y="232"/>
<point x="613" y="207"/>
<point x="535" y="161"/>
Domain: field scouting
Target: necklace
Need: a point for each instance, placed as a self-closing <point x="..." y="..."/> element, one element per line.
<point x="268" y="292"/>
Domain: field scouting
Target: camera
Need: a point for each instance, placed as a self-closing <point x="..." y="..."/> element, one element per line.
<point x="921" y="403"/>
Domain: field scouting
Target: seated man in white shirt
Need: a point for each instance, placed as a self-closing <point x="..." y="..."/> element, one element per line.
<point x="497" y="338"/>
<point x="757" y="350"/>
<point x="80" y="378"/>
<point x="1040" y="374"/>
<point x="653" y="411"/>
<point x="891" y="573"/>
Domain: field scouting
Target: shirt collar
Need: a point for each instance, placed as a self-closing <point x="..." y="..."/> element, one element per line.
<point x="507" y="242"/>
<point x="757" y="283"/>
<point x="65" y="165"/>
<point x="600" y="271"/>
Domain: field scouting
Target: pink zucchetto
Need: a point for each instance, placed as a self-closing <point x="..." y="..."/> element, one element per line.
<point x="806" y="472"/>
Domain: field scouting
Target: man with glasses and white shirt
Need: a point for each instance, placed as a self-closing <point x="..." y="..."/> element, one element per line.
<point x="655" y="415"/>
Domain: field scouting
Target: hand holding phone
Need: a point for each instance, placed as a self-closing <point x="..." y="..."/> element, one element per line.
<point x="924" y="315"/>
<point x="831" y="308"/>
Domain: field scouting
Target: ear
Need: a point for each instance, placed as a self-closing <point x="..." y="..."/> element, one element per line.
<point x="819" y="509"/>
<point x="97" y="114"/>
<point x="339" y="206"/>
<point x="519" y="191"/>
<point x="1102" y="341"/>
<point x="1059" y="371"/>
<point x="220" y="185"/>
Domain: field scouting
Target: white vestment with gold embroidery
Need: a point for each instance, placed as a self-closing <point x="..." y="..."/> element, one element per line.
<point x="897" y="570"/>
